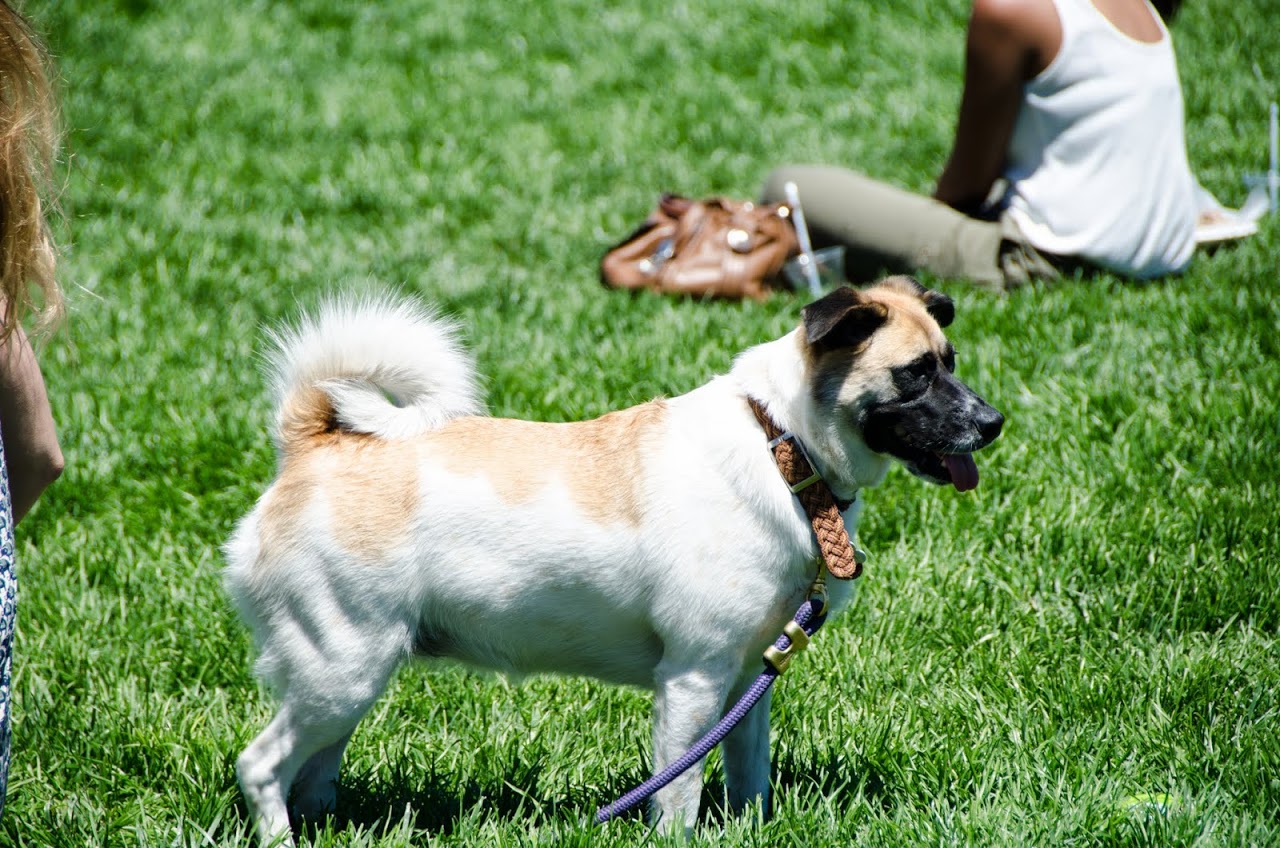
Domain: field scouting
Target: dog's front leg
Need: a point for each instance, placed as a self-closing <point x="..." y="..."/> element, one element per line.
<point x="746" y="756"/>
<point x="687" y="703"/>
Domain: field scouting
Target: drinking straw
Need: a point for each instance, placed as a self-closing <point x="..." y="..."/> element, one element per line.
<point x="808" y="263"/>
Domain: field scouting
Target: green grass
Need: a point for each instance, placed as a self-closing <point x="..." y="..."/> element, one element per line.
<point x="1098" y="620"/>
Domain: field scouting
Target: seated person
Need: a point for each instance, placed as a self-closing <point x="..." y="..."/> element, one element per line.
<point x="1069" y="150"/>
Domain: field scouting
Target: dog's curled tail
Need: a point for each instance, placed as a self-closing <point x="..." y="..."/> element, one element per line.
<point x="384" y="366"/>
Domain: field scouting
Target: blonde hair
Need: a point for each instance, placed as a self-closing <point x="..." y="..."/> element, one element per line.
<point x="28" y="145"/>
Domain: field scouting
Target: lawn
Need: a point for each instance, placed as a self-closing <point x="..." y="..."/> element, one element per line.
<point x="1099" y="621"/>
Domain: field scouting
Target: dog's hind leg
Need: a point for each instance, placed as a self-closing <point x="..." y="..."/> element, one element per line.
<point x="266" y="770"/>
<point x="746" y="756"/>
<point x="687" y="703"/>
<point x="315" y="790"/>
<point x="301" y="748"/>
<point x="293" y="752"/>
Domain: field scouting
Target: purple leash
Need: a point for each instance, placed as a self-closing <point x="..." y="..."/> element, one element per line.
<point x="794" y="639"/>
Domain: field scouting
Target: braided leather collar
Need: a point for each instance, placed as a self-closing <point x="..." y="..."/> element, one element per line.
<point x="815" y="496"/>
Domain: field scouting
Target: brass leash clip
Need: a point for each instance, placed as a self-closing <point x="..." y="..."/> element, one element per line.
<point x="780" y="658"/>
<point x="818" y="592"/>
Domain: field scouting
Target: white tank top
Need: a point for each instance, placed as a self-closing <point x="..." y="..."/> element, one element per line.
<point x="1097" y="164"/>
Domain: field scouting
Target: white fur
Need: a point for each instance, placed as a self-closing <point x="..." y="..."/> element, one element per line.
<point x="682" y="602"/>
<point x="366" y="352"/>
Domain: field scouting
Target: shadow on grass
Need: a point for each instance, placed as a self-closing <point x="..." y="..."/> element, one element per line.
<point x="832" y="776"/>
<point x="439" y="802"/>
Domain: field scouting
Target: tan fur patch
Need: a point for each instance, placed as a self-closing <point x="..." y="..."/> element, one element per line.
<point x="908" y="331"/>
<point x="600" y="462"/>
<point x="370" y="486"/>
<point x="304" y="414"/>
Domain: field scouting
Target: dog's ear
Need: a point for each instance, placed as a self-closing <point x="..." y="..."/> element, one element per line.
<point x="940" y="307"/>
<point x="842" y="319"/>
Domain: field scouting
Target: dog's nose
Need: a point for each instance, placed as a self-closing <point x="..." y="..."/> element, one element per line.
<point x="990" y="426"/>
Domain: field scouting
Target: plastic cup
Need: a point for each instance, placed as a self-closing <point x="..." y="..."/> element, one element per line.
<point x="829" y="262"/>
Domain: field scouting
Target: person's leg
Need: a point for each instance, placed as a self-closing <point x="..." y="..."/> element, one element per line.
<point x="888" y="230"/>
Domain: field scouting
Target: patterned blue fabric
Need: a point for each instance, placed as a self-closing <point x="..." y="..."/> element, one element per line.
<point x="8" y="613"/>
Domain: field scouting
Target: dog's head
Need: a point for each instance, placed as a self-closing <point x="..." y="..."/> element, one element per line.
<point x="881" y="372"/>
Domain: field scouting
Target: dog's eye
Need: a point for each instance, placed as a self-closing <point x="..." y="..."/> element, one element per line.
<point x="915" y="377"/>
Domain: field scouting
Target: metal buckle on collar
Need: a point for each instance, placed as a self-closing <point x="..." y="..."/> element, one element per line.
<point x="797" y="488"/>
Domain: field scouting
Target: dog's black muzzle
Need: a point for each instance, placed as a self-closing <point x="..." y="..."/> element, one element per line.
<point x="933" y="432"/>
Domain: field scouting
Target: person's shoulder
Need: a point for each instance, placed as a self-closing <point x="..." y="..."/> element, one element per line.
<point x="1025" y="18"/>
<point x="1029" y="28"/>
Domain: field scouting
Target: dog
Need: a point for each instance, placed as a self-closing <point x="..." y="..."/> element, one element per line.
<point x="656" y="546"/>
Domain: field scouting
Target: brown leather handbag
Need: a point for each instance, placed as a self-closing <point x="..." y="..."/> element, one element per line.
<point x="705" y="248"/>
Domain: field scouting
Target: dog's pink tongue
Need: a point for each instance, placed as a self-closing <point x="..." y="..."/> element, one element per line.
<point x="964" y="471"/>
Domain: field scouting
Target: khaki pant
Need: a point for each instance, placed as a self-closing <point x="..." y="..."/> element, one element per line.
<point x="888" y="230"/>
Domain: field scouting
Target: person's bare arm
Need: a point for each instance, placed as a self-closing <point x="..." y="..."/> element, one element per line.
<point x="31" y="449"/>
<point x="1008" y="43"/>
